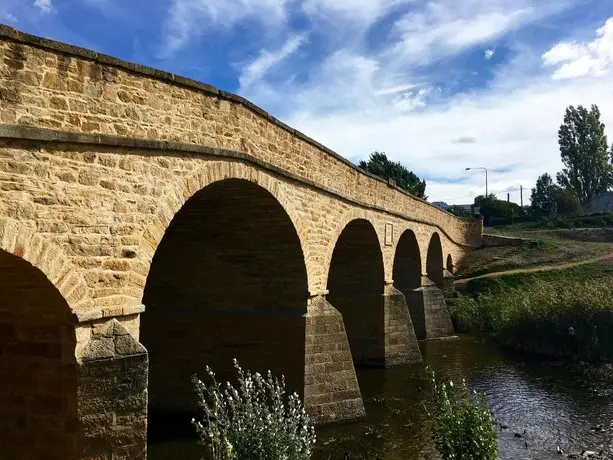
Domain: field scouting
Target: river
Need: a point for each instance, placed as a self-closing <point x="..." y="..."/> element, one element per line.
<point x="549" y="404"/>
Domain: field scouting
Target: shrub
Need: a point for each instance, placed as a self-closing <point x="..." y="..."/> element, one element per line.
<point x="464" y="428"/>
<point x="255" y="421"/>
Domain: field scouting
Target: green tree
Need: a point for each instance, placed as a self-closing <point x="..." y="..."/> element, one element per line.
<point x="379" y="165"/>
<point x="492" y="208"/>
<point x="584" y="151"/>
<point x="458" y="211"/>
<point x="567" y="204"/>
<point x="542" y="195"/>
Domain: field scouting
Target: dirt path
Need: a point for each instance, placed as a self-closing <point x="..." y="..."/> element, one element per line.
<point x="461" y="283"/>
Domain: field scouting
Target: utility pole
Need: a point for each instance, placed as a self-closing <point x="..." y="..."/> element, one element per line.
<point x="508" y="197"/>
<point x="521" y="197"/>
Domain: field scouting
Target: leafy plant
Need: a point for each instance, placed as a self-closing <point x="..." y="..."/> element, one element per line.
<point x="254" y="421"/>
<point x="464" y="428"/>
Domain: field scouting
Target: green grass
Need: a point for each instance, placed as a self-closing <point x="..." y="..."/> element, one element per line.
<point x="593" y="221"/>
<point x="564" y="313"/>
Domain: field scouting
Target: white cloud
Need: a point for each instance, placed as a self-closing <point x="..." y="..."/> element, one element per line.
<point x="447" y="27"/>
<point x="357" y="99"/>
<point x="574" y="59"/>
<point x="188" y="19"/>
<point x="43" y="5"/>
<point x="365" y="12"/>
<point x="8" y="17"/>
<point x="256" y="69"/>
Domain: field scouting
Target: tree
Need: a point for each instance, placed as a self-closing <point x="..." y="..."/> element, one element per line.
<point x="459" y="211"/>
<point x="379" y="165"/>
<point x="567" y="204"/>
<point x="491" y="207"/>
<point x="584" y="151"/>
<point x="542" y="195"/>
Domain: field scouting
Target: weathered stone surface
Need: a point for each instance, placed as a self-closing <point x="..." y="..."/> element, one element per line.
<point x="401" y="345"/>
<point x="428" y="312"/>
<point x="331" y="390"/>
<point x="112" y="395"/>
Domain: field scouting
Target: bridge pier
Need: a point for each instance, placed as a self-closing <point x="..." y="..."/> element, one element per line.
<point x="331" y="390"/>
<point x="401" y="345"/>
<point x="428" y="311"/>
<point x="111" y="393"/>
<point x="379" y="328"/>
<point x="448" y="283"/>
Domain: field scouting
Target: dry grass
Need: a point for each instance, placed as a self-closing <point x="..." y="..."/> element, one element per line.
<point x="555" y="248"/>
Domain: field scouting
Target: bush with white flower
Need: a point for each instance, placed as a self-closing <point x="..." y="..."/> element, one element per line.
<point x="464" y="426"/>
<point x="254" y="421"/>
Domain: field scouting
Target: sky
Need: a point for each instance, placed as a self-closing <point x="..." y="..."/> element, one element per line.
<point x="438" y="85"/>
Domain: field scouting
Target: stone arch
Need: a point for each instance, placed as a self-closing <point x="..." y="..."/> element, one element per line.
<point x="17" y="239"/>
<point x="174" y="199"/>
<point x="434" y="261"/>
<point x="38" y="367"/>
<point x="349" y="216"/>
<point x="356" y="287"/>
<point x="407" y="262"/>
<point x="449" y="264"/>
<point x="228" y="280"/>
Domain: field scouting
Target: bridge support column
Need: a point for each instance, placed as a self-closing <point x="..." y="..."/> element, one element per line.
<point x="448" y="283"/>
<point x="379" y="327"/>
<point x="112" y="392"/>
<point x="400" y="345"/>
<point x="428" y="311"/>
<point x="331" y="390"/>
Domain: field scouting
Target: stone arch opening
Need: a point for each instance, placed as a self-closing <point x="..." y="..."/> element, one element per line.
<point x="228" y="280"/>
<point x="38" y="368"/>
<point x="449" y="264"/>
<point x="434" y="263"/>
<point x="355" y="285"/>
<point x="407" y="263"/>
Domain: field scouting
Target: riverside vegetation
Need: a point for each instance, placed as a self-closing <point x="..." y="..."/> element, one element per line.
<point x="254" y="421"/>
<point x="464" y="428"/>
<point x="566" y="313"/>
<point x="257" y="420"/>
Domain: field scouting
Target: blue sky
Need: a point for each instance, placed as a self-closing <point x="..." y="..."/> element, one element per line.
<point x="437" y="85"/>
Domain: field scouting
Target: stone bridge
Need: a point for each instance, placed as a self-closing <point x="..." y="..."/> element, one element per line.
<point x="124" y="188"/>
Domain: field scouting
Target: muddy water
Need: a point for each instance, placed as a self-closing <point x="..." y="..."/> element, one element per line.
<point x="549" y="404"/>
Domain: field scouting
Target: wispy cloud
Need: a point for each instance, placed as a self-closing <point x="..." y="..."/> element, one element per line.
<point x="43" y="5"/>
<point x="447" y="27"/>
<point x="190" y="19"/>
<point x="255" y="70"/>
<point x="574" y="59"/>
<point x="489" y="53"/>
<point x="8" y="17"/>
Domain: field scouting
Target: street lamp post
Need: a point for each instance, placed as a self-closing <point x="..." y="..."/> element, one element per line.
<point x="485" y="169"/>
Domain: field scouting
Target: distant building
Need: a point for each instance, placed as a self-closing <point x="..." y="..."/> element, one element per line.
<point x="602" y="203"/>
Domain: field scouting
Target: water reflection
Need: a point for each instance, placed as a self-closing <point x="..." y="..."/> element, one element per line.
<point x="552" y="403"/>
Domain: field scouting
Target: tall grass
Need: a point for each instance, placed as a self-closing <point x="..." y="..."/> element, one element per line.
<point x="567" y="317"/>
